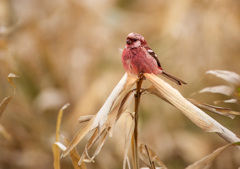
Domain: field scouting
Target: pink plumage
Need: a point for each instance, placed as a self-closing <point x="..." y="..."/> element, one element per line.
<point x="138" y="57"/>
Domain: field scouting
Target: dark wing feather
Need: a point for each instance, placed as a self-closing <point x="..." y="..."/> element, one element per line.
<point x="151" y="52"/>
<point x="164" y="73"/>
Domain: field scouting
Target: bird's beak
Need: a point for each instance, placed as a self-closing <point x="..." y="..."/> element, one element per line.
<point x="128" y="42"/>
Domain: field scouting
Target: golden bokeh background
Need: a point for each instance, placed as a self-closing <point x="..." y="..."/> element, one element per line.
<point x="70" y="51"/>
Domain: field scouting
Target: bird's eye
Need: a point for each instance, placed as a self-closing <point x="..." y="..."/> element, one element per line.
<point x="134" y="40"/>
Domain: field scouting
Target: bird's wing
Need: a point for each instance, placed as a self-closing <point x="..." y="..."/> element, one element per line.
<point x="151" y="52"/>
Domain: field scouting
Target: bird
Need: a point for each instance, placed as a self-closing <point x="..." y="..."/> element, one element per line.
<point x="138" y="58"/>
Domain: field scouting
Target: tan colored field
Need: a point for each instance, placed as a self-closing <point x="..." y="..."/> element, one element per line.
<point x="69" y="52"/>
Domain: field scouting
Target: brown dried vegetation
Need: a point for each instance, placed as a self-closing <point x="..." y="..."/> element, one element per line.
<point x="68" y="51"/>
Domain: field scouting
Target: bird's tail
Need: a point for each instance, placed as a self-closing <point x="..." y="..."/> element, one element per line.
<point x="173" y="78"/>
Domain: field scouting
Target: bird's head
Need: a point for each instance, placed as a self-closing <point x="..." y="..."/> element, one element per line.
<point x="135" y="40"/>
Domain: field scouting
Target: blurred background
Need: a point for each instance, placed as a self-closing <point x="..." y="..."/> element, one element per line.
<point x="70" y="51"/>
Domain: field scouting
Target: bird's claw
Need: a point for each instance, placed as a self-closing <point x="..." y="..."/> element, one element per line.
<point x="141" y="76"/>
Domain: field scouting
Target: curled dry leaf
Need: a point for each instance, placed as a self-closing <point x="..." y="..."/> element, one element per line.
<point x="231" y="77"/>
<point x="106" y="117"/>
<point x="61" y="146"/>
<point x="73" y="154"/>
<point x="223" y="89"/>
<point x="196" y="115"/>
<point x="59" y="119"/>
<point x="207" y="161"/>
<point x="10" y="79"/>
<point x="233" y="90"/>
<point x="55" y="148"/>
<point x="218" y="110"/>
<point x="4" y="104"/>
<point x="6" y="100"/>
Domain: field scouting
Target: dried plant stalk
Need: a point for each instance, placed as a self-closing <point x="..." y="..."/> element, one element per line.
<point x="55" y="148"/>
<point x="147" y="154"/>
<point x="135" y="134"/>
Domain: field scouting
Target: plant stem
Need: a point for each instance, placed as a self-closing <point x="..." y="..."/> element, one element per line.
<point x="135" y="134"/>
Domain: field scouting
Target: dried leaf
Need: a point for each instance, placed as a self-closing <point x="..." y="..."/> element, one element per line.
<point x="85" y="118"/>
<point x="196" y="115"/>
<point x="10" y="80"/>
<point x="231" y="77"/>
<point x="126" y="101"/>
<point x="107" y="128"/>
<point x="103" y="117"/>
<point x="207" y="161"/>
<point x="55" y="148"/>
<point x="116" y="96"/>
<point x="61" y="146"/>
<point x="226" y="90"/>
<point x="128" y="137"/>
<point x="6" y="100"/>
<point x="59" y="119"/>
<point x="148" y="154"/>
<point x="99" y="131"/>
<point x="120" y="109"/>
<point x="100" y="145"/>
<point x="227" y="101"/>
<point x="112" y="119"/>
<point x="4" y="133"/>
<point x="73" y="154"/>
<point x="4" y="104"/>
<point x="218" y="110"/>
<point x="93" y="139"/>
<point x="78" y="137"/>
<point x="175" y="98"/>
<point x="153" y="90"/>
<point x="75" y="158"/>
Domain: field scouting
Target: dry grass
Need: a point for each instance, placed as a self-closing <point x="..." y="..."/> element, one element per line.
<point x="68" y="51"/>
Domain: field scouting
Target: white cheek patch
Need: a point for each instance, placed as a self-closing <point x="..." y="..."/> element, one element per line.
<point x="137" y="43"/>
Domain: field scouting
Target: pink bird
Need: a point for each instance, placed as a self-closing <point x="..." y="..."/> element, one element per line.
<point x="138" y="57"/>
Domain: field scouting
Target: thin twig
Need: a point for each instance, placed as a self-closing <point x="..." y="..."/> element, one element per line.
<point x="149" y="158"/>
